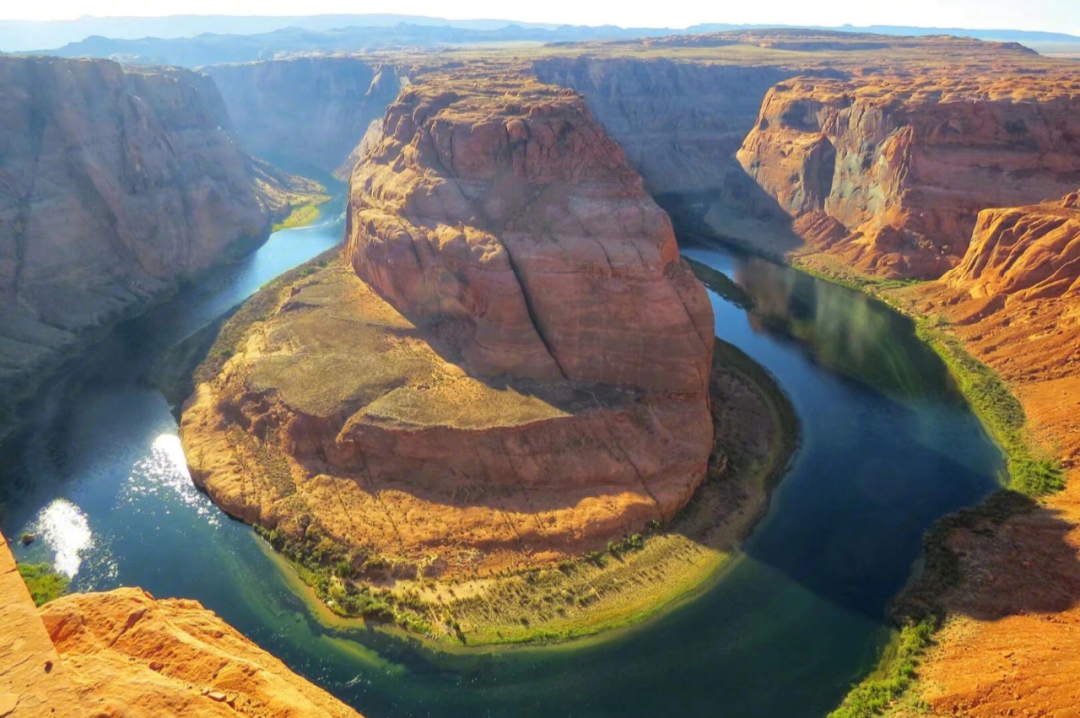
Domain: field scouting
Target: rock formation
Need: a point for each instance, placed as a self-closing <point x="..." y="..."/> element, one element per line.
<point x="1023" y="253"/>
<point x="33" y="680"/>
<point x="124" y="654"/>
<point x="1013" y="301"/>
<point x="890" y="172"/>
<point x="128" y="655"/>
<point x="522" y="373"/>
<point x="518" y="230"/>
<point x="114" y="184"/>
<point x="310" y="110"/>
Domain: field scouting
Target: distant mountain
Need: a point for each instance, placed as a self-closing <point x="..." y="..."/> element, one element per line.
<point x="21" y="35"/>
<point x="213" y="49"/>
<point x="1020" y="36"/>
<point x="192" y="41"/>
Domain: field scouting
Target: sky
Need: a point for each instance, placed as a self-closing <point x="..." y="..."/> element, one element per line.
<point x="1050" y="15"/>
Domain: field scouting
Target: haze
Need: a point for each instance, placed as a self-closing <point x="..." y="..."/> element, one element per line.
<point x="1048" y="15"/>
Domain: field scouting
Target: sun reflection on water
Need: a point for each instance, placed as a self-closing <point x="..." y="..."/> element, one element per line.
<point x="165" y="471"/>
<point x="66" y="530"/>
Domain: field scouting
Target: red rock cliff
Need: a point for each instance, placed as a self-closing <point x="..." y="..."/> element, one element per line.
<point x="516" y="226"/>
<point x="890" y="172"/>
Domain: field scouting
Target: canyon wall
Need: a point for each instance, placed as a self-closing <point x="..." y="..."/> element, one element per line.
<point x="681" y="123"/>
<point x="889" y="173"/>
<point x="518" y="227"/>
<point x="114" y="184"/>
<point x="1023" y="253"/>
<point x="312" y="110"/>
<point x="510" y="365"/>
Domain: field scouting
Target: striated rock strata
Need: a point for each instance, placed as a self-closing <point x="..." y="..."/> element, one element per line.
<point x="512" y="365"/>
<point x="114" y="184"/>
<point x="889" y="172"/>
<point x="681" y="123"/>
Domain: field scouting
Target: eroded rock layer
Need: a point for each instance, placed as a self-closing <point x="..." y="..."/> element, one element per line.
<point x="114" y="184"/>
<point x="1013" y="300"/>
<point x="516" y="227"/>
<point x="511" y="366"/>
<point x="889" y="172"/>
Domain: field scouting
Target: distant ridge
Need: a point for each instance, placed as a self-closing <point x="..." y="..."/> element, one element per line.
<point x="191" y="40"/>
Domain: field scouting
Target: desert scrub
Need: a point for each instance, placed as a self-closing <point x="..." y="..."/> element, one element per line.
<point x="44" y="583"/>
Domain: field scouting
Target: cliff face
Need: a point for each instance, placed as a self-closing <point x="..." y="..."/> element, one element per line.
<point x="1023" y="253"/>
<point x="890" y="173"/>
<point x="680" y="124"/>
<point x="519" y="373"/>
<point x="33" y="681"/>
<point x="1013" y="301"/>
<point x="312" y="111"/>
<point x="113" y="184"/>
<point x="519" y="228"/>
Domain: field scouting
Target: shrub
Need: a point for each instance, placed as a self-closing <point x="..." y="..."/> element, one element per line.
<point x="44" y="583"/>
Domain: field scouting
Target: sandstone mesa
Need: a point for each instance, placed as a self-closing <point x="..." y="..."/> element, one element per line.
<point x="517" y="366"/>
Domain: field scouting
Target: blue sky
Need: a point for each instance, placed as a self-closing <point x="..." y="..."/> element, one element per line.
<point x="1052" y="15"/>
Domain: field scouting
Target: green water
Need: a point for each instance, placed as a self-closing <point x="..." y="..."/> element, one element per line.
<point x="887" y="448"/>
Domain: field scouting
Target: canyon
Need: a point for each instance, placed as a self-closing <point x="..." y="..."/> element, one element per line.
<point x="508" y="365"/>
<point x="116" y="184"/>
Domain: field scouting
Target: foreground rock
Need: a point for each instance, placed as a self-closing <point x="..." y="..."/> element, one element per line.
<point x="124" y="654"/>
<point x="115" y="184"/>
<point x="519" y="372"/>
<point x="33" y="681"/>
<point x="128" y="655"/>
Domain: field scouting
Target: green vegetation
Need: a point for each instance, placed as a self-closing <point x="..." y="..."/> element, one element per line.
<point x="1030" y="472"/>
<point x="636" y="575"/>
<point x="328" y="570"/>
<point x="44" y="583"/>
<point x="895" y="674"/>
<point x="303" y="215"/>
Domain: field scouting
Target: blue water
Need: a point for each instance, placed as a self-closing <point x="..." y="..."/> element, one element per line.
<point x="887" y="448"/>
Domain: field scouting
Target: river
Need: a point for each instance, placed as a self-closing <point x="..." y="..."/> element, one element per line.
<point x="887" y="447"/>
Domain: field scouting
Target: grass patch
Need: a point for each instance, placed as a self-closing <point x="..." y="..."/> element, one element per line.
<point x="255" y="309"/>
<point x="1031" y="472"/>
<point x="44" y="583"/>
<point x="896" y="672"/>
<point x="303" y="215"/>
